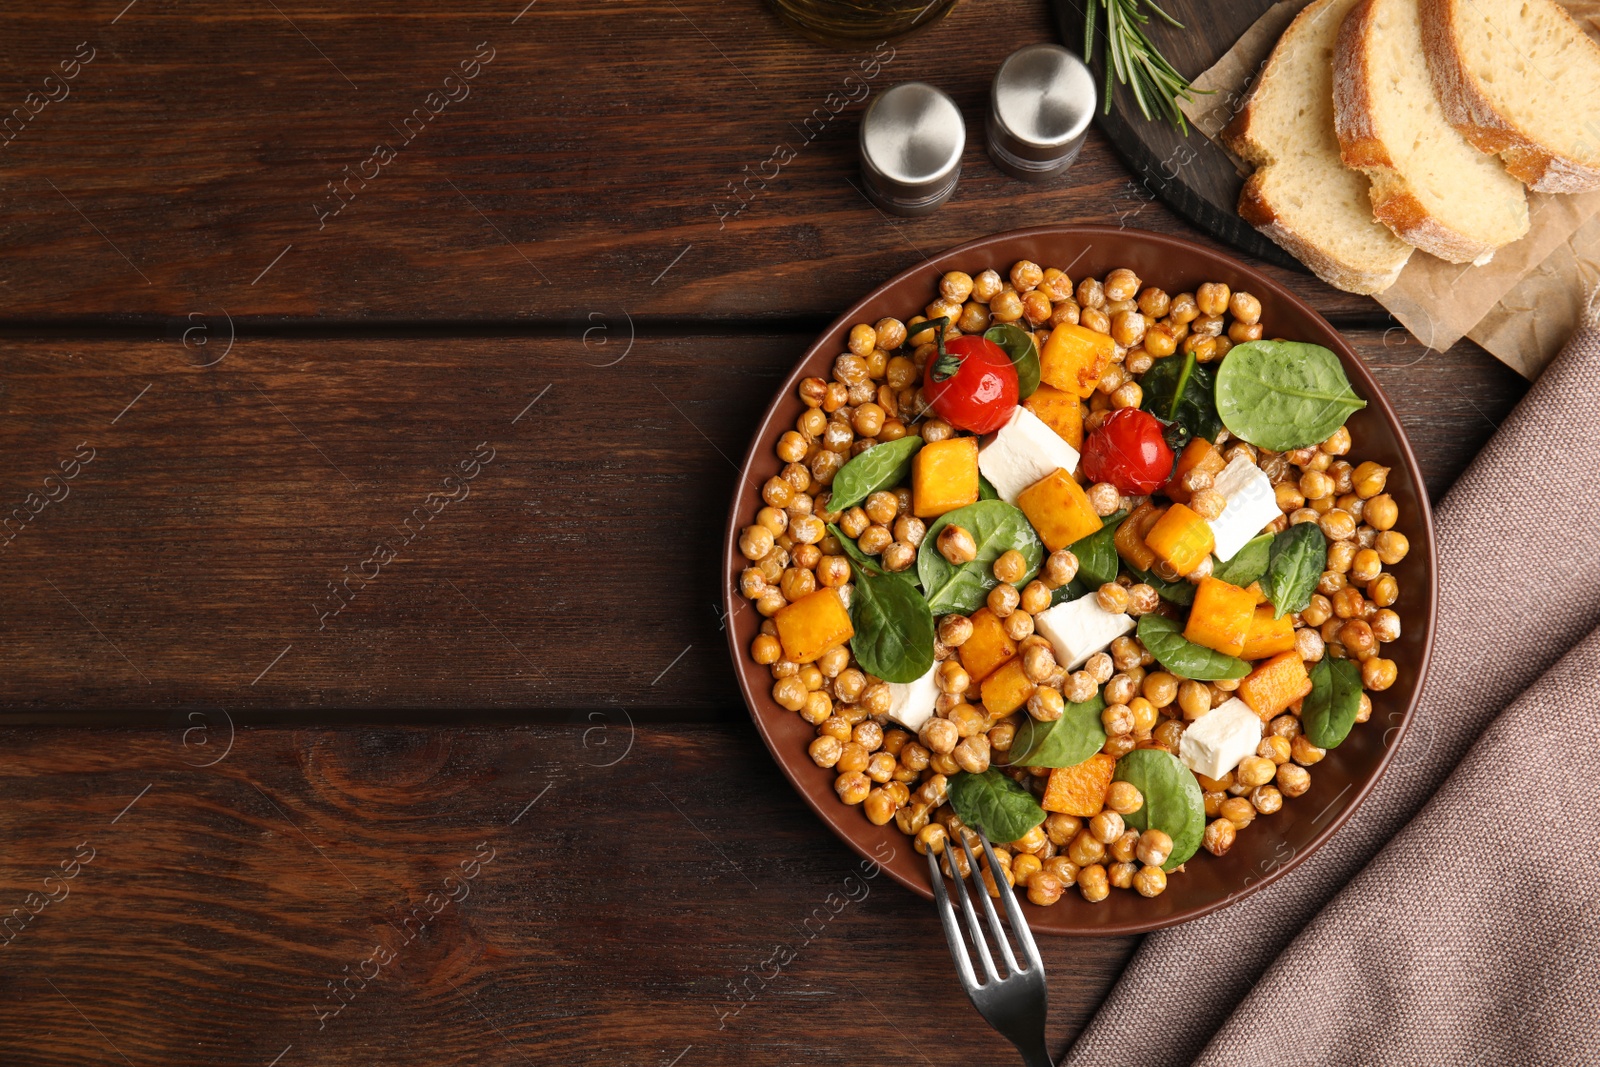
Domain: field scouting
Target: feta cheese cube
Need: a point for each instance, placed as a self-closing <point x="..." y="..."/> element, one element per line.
<point x="911" y="703"/>
<point x="1251" y="505"/>
<point x="1077" y="629"/>
<point x="1021" y="452"/>
<point x="1214" y="743"/>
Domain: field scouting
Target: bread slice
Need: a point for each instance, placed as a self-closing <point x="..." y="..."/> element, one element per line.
<point x="1429" y="186"/>
<point x="1521" y="80"/>
<point x="1301" y="195"/>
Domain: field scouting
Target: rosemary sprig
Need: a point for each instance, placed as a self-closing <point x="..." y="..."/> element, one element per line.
<point x="1133" y="60"/>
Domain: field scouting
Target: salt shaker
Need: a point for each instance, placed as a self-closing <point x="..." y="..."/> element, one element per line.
<point x="1039" y="110"/>
<point x="911" y="141"/>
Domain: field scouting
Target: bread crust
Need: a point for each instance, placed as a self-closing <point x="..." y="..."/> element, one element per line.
<point x="1257" y="209"/>
<point x="1393" y="203"/>
<point x="1476" y="118"/>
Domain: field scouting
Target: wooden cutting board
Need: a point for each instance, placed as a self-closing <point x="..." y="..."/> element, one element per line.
<point x="1187" y="172"/>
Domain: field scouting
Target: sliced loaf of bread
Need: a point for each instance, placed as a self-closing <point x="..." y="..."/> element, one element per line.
<point x="1429" y="186"/>
<point x="1520" y="79"/>
<point x="1301" y="195"/>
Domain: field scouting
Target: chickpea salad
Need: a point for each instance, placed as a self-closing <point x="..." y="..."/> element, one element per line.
<point x="1093" y="568"/>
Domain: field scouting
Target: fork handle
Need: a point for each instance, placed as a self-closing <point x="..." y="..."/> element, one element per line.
<point x="1037" y="1057"/>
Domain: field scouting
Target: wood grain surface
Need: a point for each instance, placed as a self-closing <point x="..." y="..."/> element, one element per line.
<point x="628" y="896"/>
<point x="202" y="555"/>
<point x="602" y="145"/>
<point x="488" y="410"/>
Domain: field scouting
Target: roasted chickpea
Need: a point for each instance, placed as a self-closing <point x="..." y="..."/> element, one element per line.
<point x="1253" y="771"/>
<point x="1378" y="674"/>
<point x="973" y="753"/>
<point x="898" y="557"/>
<point x="1112" y="597"/>
<point x="825" y="751"/>
<point x="1154" y="847"/>
<point x="939" y="736"/>
<point x="1123" y="798"/>
<point x="1275" y="748"/>
<point x="1212" y="298"/>
<point x="1194" y="699"/>
<point x="1219" y="836"/>
<point x="1392" y="546"/>
<point x="1266" y="799"/>
<point x="1006" y="306"/>
<point x="1046" y="704"/>
<point x="1003" y="600"/>
<point x="852" y="787"/>
<point x="1038" y="663"/>
<point x="1044" y="888"/>
<point x="1238" y="811"/>
<point x="1094" y="883"/>
<point x="1086" y="848"/>
<point x="1117" y="720"/>
<point x="1293" y="779"/>
<point x="956" y="545"/>
<point x="1010" y="566"/>
<point x="1168" y="733"/>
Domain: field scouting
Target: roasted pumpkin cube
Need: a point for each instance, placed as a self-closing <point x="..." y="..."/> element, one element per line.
<point x="944" y="476"/>
<point x="1181" y="538"/>
<point x="1059" y="510"/>
<point x="1129" y="538"/>
<point x="1268" y="635"/>
<point x="987" y="648"/>
<point x="1075" y="357"/>
<point x="1197" y="455"/>
<point x="1275" y="684"/>
<point x="1059" y="410"/>
<point x="1221" y="617"/>
<point x="812" y="625"/>
<point x="1006" y="688"/>
<point x="1080" y="790"/>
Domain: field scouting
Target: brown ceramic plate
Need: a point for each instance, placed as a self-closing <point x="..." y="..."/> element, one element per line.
<point x="1274" y="844"/>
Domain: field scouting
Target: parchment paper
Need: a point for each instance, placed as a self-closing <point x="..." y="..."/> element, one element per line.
<point x="1523" y="304"/>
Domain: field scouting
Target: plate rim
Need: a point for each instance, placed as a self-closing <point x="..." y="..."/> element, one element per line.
<point x="833" y="815"/>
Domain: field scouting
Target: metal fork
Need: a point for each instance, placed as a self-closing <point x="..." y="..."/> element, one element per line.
<point x="1013" y="1003"/>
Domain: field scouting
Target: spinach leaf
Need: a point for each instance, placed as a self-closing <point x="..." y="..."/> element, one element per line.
<point x="995" y="526"/>
<point x="1283" y="394"/>
<point x="1067" y="742"/>
<point x="1071" y="591"/>
<point x="1183" y="657"/>
<point x="1299" y="556"/>
<point x="894" y="628"/>
<point x="995" y="804"/>
<point x="1179" y="592"/>
<point x="986" y="489"/>
<point x="1098" y="561"/>
<point x="883" y="466"/>
<point x="1172" y="800"/>
<point x="1248" y="564"/>
<point x="1330" y="708"/>
<point x="1018" y="344"/>
<point x="1182" y="391"/>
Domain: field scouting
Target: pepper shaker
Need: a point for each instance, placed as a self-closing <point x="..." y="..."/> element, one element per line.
<point x="911" y="142"/>
<point x="1039" y="110"/>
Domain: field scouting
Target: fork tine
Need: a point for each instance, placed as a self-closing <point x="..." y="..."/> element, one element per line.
<point x="1019" y="925"/>
<point x="973" y="926"/>
<point x="983" y="894"/>
<point x="947" y="918"/>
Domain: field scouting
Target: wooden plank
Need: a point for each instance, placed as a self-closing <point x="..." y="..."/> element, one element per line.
<point x="226" y="511"/>
<point x="500" y="896"/>
<point x="609" y="157"/>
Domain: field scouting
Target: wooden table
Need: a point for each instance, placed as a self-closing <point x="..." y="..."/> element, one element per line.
<point x="262" y="295"/>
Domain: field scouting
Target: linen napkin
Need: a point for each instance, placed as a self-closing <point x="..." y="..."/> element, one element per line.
<point x="1462" y="929"/>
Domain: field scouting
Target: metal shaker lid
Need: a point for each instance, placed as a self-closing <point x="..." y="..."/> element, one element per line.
<point x="1040" y="106"/>
<point x="911" y="141"/>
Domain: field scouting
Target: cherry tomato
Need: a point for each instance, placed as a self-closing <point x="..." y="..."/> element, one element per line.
<point x="973" y="386"/>
<point x="1129" y="451"/>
